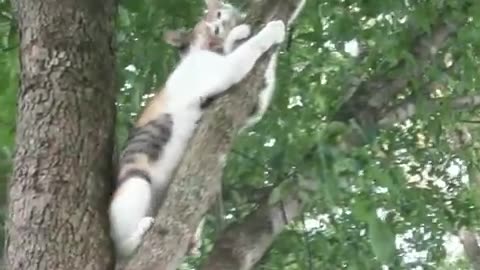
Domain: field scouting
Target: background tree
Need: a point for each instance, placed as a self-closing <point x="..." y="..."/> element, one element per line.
<point x="370" y="97"/>
<point x="62" y="171"/>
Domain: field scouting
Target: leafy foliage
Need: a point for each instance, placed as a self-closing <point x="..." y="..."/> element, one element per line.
<point x="387" y="203"/>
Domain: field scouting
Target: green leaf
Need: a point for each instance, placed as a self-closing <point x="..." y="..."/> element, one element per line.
<point x="382" y="240"/>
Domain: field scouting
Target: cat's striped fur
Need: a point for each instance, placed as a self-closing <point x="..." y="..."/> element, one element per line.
<point x="144" y="145"/>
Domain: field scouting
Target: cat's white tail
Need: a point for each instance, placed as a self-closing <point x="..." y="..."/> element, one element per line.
<point x="128" y="214"/>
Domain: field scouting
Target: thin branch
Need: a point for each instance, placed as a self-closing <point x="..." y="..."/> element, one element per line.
<point x="470" y="121"/>
<point x="409" y="109"/>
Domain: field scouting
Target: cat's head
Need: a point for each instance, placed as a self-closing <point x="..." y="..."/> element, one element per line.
<point x="210" y="32"/>
<point x="221" y="18"/>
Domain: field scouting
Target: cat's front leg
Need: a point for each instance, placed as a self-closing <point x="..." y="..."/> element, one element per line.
<point x="273" y="33"/>
<point x="243" y="59"/>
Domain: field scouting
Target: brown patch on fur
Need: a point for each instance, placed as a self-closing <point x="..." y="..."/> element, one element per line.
<point x="141" y="163"/>
<point x="153" y="110"/>
<point x="203" y="38"/>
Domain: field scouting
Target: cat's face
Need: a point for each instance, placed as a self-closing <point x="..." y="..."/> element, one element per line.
<point x="222" y="19"/>
<point x="210" y="32"/>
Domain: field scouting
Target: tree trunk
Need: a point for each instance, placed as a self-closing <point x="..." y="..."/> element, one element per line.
<point x="59" y="193"/>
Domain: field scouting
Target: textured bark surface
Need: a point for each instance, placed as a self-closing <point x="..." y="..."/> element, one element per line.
<point x="471" y="247"/>
<point x="62" y="168"/>
<point x="197" y="180"/>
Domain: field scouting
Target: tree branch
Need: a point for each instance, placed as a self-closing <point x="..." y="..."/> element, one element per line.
<point x="372" y="96"/>
<point x="197" y="180"/>
<point x="408" y="109"/>
<point x="243" y="244"/>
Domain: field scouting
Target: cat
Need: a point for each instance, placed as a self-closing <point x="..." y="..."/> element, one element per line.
<point x="225" y="17"/>
<point x="222" y="20"/>
<point x="161" y="133"/>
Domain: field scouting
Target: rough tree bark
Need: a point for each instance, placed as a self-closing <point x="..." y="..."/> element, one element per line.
<point x="62" y="167"/>
<point x="197" y="181"/>
<point x="471" y="247"/>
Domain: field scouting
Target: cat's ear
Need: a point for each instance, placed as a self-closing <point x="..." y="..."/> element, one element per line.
<point x="178" y="38"/>
<point x="213" y="4"/>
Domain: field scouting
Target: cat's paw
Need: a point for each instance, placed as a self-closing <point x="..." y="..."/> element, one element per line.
<point x="276" y="30"/>
<point x="129" y="245"/>
<point x="144" y="225"/>
<point x="241" y="31"/>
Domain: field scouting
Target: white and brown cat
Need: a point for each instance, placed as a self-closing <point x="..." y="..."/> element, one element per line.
<point x="222" y="19"/>
<point x="158" y="141"/>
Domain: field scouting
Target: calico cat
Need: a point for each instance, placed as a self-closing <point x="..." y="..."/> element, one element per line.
<point x="161" y="133"/>
<point x="225" y="17"/>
